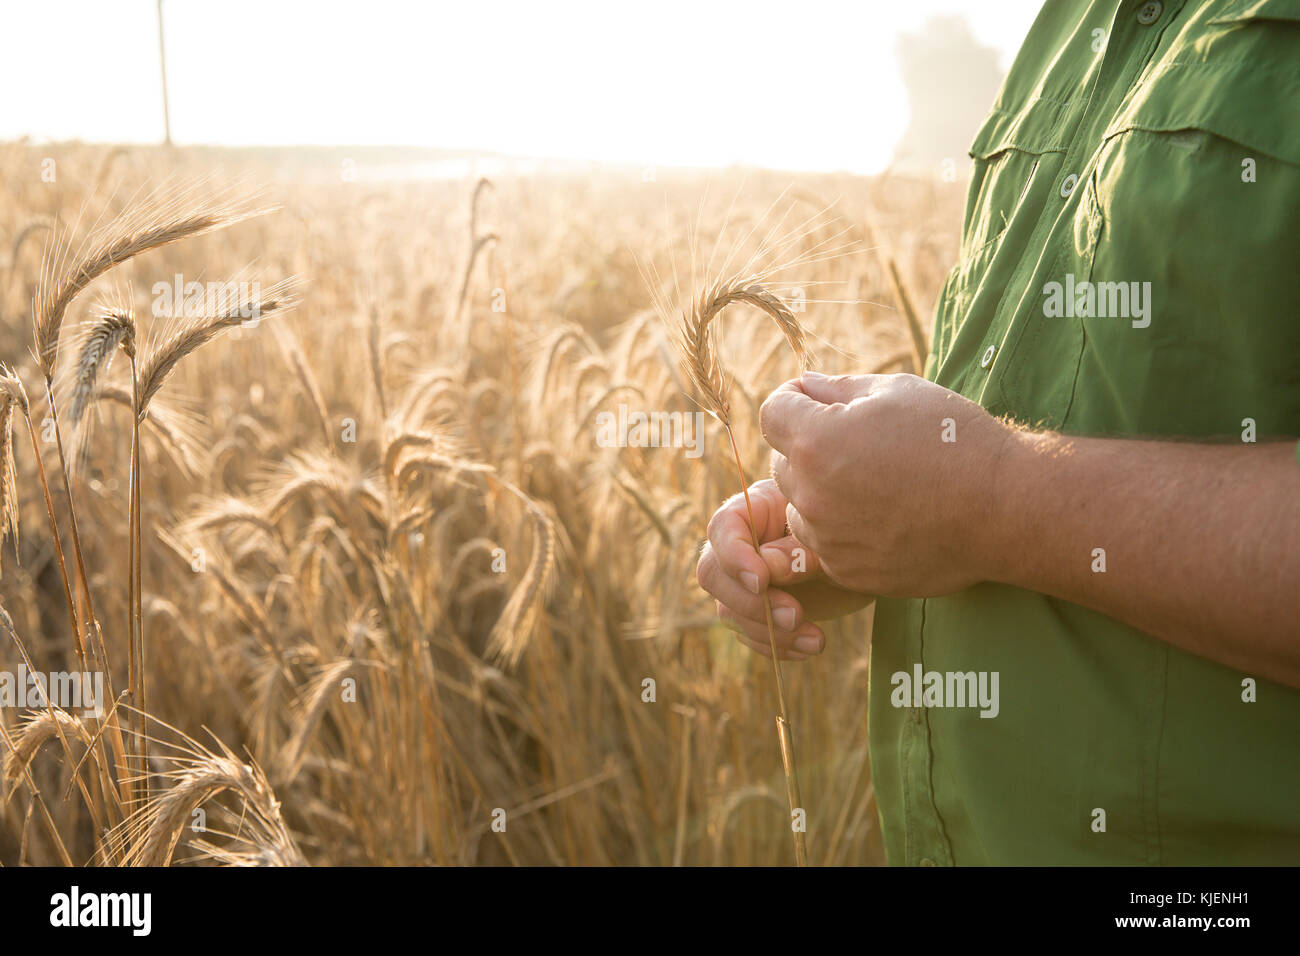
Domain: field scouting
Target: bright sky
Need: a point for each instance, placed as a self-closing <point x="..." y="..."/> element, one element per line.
<point x="797" y="84"/>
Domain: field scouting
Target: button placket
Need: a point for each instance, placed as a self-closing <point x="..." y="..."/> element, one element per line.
<point x="1128" y="49"/>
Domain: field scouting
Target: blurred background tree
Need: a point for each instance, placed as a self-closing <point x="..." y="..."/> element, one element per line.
<point x="952" y="80"/>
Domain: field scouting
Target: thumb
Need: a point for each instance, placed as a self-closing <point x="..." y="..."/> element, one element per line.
<point x="833" y="389"/>
<point x="789" y="562"/>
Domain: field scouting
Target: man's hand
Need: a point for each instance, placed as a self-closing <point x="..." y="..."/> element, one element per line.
<point x="889" y="479"/>
<point x="800" y="594"/>
<point x="896" y="486"/>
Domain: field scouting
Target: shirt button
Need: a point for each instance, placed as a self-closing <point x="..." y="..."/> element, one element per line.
<point x="1150" y="12"/>
<point x="1068" y="184"/>
<point x="926" y="861"/>
<point x="987" y="358"/>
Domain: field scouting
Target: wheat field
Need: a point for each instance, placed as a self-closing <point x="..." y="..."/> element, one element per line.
<point x="393" y="602"/>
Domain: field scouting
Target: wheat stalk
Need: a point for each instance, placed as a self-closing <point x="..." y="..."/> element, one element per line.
<point x="190" y="334"/>
<point x="477" y="243"/>
<point x="168" y="215"/>
<point x="112" y="327"/>
<point x="156" y="827"/>
<point x="697" y="341"/>
<point x="185" y="338"/>
<point x="292" y="350"/>
<point x="15" y="396"/>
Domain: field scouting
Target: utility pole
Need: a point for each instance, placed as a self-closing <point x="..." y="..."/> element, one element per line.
<point x="162" y="60"/>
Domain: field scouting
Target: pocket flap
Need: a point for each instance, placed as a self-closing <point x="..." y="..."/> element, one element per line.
<point x="1034" y="128"/>
<point x="1221" y="98"/>
<point x="1240" y="10"/>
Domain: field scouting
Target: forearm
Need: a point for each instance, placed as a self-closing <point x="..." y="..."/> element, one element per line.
<point x="1201" y="542"/>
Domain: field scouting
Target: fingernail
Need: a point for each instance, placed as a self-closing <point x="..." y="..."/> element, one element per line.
<point x="784" y="617"/>
<point x="750" y="580"/>
<point x="808" y="644"/>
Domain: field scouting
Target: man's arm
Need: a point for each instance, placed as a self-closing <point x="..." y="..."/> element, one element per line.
<point x="1201" y="542"/>
<point x="904" y="488"/>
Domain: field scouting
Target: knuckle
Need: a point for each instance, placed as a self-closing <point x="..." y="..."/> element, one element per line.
<point x="719" y="518"/>
<point x="765" y="412"/>
<point x="767" y="493"/>
<point x="807" y="451"/>
<point x="706" y="569"/>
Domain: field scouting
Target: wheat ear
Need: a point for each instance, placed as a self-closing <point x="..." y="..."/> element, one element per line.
<point x="698" y="343"/>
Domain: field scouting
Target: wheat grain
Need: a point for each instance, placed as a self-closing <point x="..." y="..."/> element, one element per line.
<point x="111" y="329"/>
<point x="164" y="355"/>
<point x="167" y="216"/>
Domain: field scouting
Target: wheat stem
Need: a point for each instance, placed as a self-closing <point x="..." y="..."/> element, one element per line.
<point x="784" y="737"/>
<point x="137" y="622"/>
<point x="697" y="342"/>
<point x="58" y="542"/>
<point x="92" y="622"/>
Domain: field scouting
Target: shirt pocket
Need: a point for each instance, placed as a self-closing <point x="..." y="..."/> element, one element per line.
<point x="1006" y="151"/>
<point x="1191" y="204"/>
<point x="1015" y="155"/>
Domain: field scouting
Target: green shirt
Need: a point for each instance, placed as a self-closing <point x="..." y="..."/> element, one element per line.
<point x="1155" y="144"/>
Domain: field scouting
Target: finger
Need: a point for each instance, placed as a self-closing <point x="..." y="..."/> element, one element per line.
<point x="786" y="413"/>
<point x="789" y="562"/>
<point x="768" y="504"/>
<point x="735" y="594"/>
<point x="810" y="641"/>
<point x="761" y="647"/>
<point x="838" y="389"/>
<point x="783" y="476"/>
<point x="805" y="638"/>
<point x="799" y="528"/>
<point x="732" y="541"/>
